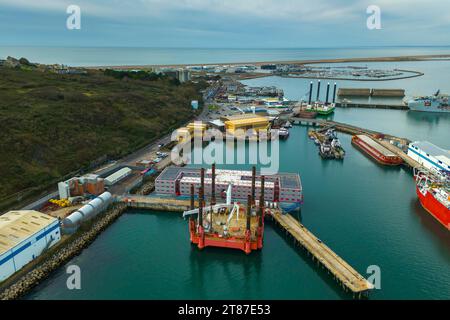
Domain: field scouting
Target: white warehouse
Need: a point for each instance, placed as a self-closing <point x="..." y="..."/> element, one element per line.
<point x="117" y="176"/>
<point x="24" y="235"/>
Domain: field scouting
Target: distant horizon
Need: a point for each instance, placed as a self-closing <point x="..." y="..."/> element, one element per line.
<point x="231" y="48"/>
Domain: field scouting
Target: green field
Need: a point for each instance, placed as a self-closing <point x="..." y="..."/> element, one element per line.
<point x="52" y="124"/>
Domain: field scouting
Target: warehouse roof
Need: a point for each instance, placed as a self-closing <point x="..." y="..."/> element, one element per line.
<point x="248" y="121"/>
<point x="16" y="226"/>
<point x="116" y="175"/>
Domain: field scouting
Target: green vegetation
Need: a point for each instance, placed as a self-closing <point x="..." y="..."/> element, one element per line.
<point x="213" y="107"/>
<point x="55" y="124"/>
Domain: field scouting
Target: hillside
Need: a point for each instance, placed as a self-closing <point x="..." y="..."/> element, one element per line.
<point x="53" y="124"/>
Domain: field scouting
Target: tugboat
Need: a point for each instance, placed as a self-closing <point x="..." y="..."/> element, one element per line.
<point x="287" y="125"/>
<point x="283" y="133"/>
<point x="329" y="145"/>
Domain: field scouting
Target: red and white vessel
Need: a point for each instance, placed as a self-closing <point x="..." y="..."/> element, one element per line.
<point x="433" y="191"/>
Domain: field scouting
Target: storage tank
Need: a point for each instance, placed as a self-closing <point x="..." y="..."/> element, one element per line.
<point x="86" y="212"/>
<point x="106" y="197"/>
<point x="73" y="220"/>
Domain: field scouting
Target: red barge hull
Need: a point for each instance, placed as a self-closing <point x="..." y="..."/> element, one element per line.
<point x="376" y="151"/>
<point x="434" y="208"/>
<point x="247" y="244"/>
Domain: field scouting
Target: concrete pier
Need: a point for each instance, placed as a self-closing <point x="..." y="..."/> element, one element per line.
<point x="348" y="277"/>
<point x="156" y="204"/>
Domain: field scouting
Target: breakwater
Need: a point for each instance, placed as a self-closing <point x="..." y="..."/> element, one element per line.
<point x="62" y="254"/>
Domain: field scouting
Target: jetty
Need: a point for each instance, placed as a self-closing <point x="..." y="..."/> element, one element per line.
<point x="384" y="139"/>
<point x="346" y="276"/>
<point x="156" y="203"/>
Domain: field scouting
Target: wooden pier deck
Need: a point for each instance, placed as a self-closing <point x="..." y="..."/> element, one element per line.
<point x="348" y="277"/>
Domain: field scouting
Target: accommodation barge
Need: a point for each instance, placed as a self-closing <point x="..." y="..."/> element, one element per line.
<point x="283" y="188"/>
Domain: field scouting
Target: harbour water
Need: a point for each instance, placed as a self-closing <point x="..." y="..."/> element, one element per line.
<point x="368" y="214"/>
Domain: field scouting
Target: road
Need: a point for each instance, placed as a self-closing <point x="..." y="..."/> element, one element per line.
<point x="130" y="160"/>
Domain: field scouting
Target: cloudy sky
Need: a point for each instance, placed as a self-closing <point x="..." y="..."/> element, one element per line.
<point x="225" y="23"/>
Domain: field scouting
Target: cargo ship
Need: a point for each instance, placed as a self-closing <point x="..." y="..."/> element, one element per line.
<point x="376" y="151"/>
<point x="435" y="103"/>
<point x="434" y="195"/>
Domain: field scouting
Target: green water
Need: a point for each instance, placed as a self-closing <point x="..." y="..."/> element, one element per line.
<point x="367" y="213"/>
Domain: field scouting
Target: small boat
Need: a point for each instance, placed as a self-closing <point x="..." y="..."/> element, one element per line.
<point x="287" y="125"/>
<point x="283" y="133"/>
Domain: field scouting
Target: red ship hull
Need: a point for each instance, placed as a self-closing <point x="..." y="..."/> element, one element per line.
<point x="435" y="208"/>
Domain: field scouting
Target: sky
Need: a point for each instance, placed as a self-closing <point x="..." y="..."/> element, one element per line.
<point x="225" y="23"/>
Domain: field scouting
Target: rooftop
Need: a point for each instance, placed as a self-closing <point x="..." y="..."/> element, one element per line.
<point x="433" y="150"/>
<point x="16" y="226"/>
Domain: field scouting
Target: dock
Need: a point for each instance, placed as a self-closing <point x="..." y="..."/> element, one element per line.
<point x="366" y="92"/>
<point x="406" y="159"/>
<point x="347" y="277"/>
<point x="156" y="203"/>
<point x="373" y="105"/>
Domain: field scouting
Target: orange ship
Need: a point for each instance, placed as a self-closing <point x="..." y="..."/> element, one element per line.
<point x="376" y="151"/>
<point x="227" y="225"/>
<point x="434" y="195"/>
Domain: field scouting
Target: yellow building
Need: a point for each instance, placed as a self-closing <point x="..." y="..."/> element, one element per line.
<point x="254" y="123"/>
<point x="197" y="128"/>
<point x="190" y="131"/>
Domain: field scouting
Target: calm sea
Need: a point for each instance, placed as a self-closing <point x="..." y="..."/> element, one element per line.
<point x="105" y="56"/>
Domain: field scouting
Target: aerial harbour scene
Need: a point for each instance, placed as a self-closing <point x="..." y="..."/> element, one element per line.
<point x="212" y="164"/>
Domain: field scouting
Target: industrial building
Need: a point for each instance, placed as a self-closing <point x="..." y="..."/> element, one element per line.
<point x="117" y="176"/>
<point x="78" y="186"/>
<point x="283" y="187"/>
<point x="24" y="235"/>
<point x="246" y="122"/>
<point x="193" y="129"/>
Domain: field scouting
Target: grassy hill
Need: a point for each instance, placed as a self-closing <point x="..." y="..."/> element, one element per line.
<point x="54" y="124"/>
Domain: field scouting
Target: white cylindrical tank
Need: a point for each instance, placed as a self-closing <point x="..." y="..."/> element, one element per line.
<point x="97" y="205"/>
<point x="107" y="199"/>
<point x="73" y="220"/>
<point x="86" y="210"/>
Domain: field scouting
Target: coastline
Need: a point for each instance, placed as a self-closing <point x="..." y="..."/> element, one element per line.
<point x="443" y="57"/>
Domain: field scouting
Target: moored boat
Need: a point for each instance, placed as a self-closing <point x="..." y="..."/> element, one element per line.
<point x="376" y="150"/>
<point x="435" y="103"/>
<point x="433" y="192"/>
